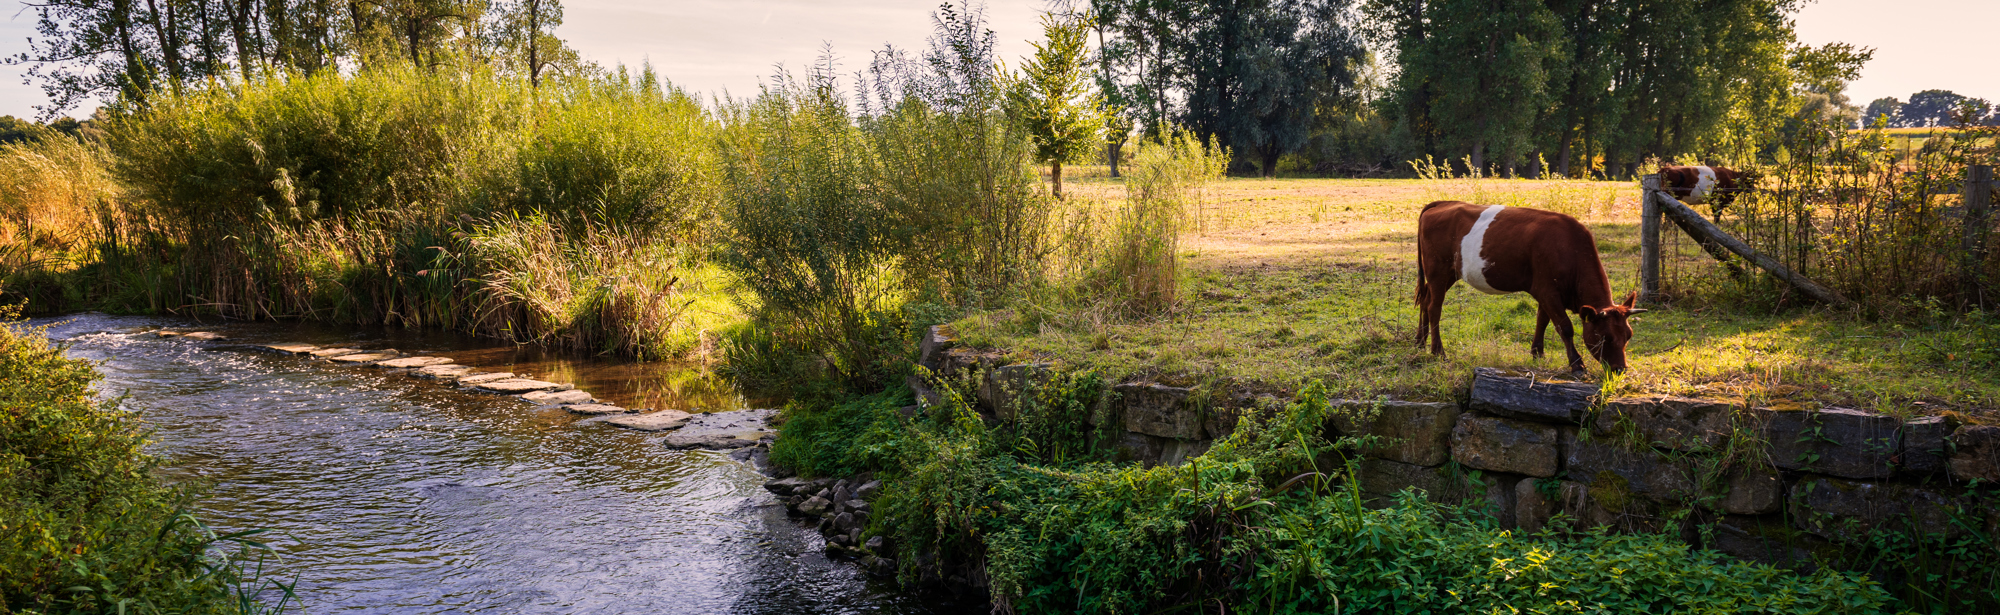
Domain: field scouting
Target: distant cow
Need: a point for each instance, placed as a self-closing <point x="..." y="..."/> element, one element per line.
<point x="1499" y="250"/>
<point x="1696" y="185"/>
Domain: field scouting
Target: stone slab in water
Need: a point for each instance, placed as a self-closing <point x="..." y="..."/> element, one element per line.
<point x="448" y="371"/>
<point x="595" y="409"/>
<point x="414" y="362"/>
<point x="365" y="357"/>
<point x="288" y="348"/>
<point x="557" y="398"/>
<point x="205" y="336"/>
<point x="166" y="333"/>
<point x="1527" y="397"/>
<point x="517" y="386"/>
<point x="482" y="378"/>
<point x="656" y="421"/>
<point x="724" y="430"/>
<point x="328" y="353"/>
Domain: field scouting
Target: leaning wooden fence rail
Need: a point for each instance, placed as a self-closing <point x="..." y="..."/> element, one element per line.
<point x="1659" y="205"/>
<point x="1659" y="202"/>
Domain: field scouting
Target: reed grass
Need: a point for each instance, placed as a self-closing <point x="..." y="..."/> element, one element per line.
<point x="565" y="216"/>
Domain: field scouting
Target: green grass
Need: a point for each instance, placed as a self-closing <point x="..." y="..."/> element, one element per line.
<point x="1301" y="280"/>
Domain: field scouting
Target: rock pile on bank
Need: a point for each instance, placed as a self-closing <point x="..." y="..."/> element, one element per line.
<point x="842" y="507"/>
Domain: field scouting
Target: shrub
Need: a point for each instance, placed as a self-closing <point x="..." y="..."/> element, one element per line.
<point x="88" y="527"/>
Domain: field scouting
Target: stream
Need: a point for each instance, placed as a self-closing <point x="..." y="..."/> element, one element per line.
<point x="390" y="494"/>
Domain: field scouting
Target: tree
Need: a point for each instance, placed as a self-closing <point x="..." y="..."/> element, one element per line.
<point x="1055" y="98"/>
<point x="527" y="32"/>
<point x="1252" y="73"/>
<point x="1886" y="110"/>
<point x="1936" y="108"/>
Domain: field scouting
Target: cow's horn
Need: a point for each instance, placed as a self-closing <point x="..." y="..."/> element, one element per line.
<point x="1636" y="311"/>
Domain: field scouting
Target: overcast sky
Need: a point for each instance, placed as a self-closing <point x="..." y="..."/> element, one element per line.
<point x="715" y="45"/>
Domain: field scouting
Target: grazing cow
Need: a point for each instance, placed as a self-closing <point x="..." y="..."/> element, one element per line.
<point x="1696" y="185"/>
<point x="1499" y="250"/>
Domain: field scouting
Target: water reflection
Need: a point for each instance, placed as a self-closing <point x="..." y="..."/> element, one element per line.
<point x="402" y="496"/>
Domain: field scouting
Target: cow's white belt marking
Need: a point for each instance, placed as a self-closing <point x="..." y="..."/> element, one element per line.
<point x="1472" y="266"/>
<point x="1702" y="185"/>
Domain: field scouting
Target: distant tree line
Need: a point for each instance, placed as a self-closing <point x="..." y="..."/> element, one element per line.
<point x="125" y="49"/>
<point x="1566" y="87"/>
<point x="1930" y="108"/>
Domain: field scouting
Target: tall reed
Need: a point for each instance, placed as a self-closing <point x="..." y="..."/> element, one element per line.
<point x="1166" y="188"/>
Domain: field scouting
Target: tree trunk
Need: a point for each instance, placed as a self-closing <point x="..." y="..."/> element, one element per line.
<point x="239" y="15"/>
<point x="136" y="82"/>
<point x="167" y="30"/>
<point x="534" y="43"/>
<point x="1055" y="172"/>
<point x="1271" y="154"/>
<point x="1478" y="157"/>
<point x="1113" y="151"/>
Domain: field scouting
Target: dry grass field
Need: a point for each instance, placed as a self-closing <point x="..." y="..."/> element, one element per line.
<point x="1291" y="280"/>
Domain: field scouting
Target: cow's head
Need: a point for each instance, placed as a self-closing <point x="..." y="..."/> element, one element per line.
<point x="1606" y="330"/>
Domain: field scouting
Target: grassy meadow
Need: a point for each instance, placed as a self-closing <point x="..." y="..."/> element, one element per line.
<point x="1293" y="280"/>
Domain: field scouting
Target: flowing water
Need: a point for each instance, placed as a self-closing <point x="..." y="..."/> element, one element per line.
<point x="388" y="494"/>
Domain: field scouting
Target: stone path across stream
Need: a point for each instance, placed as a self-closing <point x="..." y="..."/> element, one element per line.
<point x="713" y="431"/>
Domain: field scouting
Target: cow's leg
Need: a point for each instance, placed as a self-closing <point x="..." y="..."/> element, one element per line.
<point x="1423" y="309"/>
<point x="1561" y="320"/>
<point x="1438" y="289"/>
<point x="1541" y="329"/>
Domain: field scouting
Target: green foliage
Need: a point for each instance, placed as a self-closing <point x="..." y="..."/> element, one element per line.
<point x="1593" y="87"/>
<point x="1053" y="99"/>
<point x="575" y="215"/>
<point x="1253" y="75"/>
<point x="1257" y="524"/>
<point x="1326" y="554"/>
<point x="88" y="527"/>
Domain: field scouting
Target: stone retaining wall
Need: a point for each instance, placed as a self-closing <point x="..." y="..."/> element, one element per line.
<point x="1770" y="484"/>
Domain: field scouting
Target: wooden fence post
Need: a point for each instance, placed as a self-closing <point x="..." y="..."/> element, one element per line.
<point x="1649" y="240"/>
<point x="1978" y="201"/>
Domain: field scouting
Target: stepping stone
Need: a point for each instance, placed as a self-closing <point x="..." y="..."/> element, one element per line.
<point x="413" y="362"/>
<point x="206" y="336"/>
<point x="558" y="398"/>
<point x="166" y="333"/>
<point x="657" y="421"/>
<point x="724" y="430"/>
<point x="449" y="371"/>
<point x="366" y="357"/>
<point x="595" y="409"/>
<point x="289" y="348"/>
<point x="517" y="386"/>
<point x="482" y="378"/>
<point x="328" y="353"/>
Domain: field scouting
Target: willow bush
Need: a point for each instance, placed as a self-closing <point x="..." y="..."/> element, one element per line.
<point x="424" y="199"/>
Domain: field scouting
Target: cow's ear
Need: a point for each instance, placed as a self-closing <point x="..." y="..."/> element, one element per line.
<point x="1631" y="299"/>
<point x="1587" y="312"/>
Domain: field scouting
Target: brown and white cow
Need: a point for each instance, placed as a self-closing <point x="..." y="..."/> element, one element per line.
<point x="1696" y="185"/>
<point x="1499" y="250"/>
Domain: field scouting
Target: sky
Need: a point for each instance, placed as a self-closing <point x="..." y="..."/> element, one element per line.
<point x="713" y="46"/>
